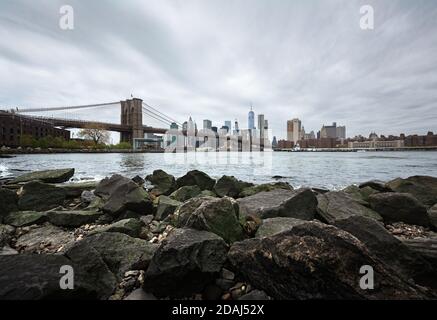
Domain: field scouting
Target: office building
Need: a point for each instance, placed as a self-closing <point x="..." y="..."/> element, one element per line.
<point x="251" y="120"/>
<point x="294" y="130"/>
<point x="207" y="124"/>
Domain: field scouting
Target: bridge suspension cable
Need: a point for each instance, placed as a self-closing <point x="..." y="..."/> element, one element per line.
<point x="159" y="113"/>
<point x="156" y="117"/>
<point x="18" y="110"/>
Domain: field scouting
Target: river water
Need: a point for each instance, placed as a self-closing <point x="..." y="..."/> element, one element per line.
<point x="332" y="170"/>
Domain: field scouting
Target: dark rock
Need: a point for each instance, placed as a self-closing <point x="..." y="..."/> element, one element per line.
<point x="196" y="178"/>
<point x="422" y="188"/>
<point x="128" y="196"/>
<point x="72" y="218"/>
<point x="47" y="176"/>
<point x="8" y="202"/>
<point x="399" y="207"/>
<point x="250" y="191"/>
<point x="166" y="207"/>
<point x="131" y="227"/>
<point x="36" y="277"/>
<point x="432" y="213"/>
<point x="138" y="180"/>
<point x="255" y="295"/>
<point x="185" y="263"/>
<point x="426" y="247"/>
<point x="25" y="218"/>
<point x="185" y="193"/>
<point x="163" y="182"/>
<point x="140" y="295"/>
<point x="272" y="226"/>
<point x="224" y="284"/>
<point x="389" y="249"/>
<point x="75" y="190"/>
<point x="208" y="193"/>
<point x="37" y="196"/>
<point x="108" y="186"/>
<point x="227" y="274"/>
<point x="87" y="196"/>
<point x="7" y="251"/>
<point x="299" y="204"/>
<point x="282" y="265"/>
<point x="360" y="194"/>
<point x="44" y="239"/>
<point x="230" y="186"/>
<point x="212" y="292"/>
<point x="120" y="252"/>
<point x="334" y="206"/>
<point x="376" y="185"/>
<point x="217" y="215"/>
<point x="6" y="233"/>
<point x="147" y="219"/>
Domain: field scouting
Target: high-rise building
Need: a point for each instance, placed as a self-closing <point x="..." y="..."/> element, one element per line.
<point x="251" y="120"/>
<point x="333" y="131"/>
<point x="236" y="127"/>
<point x="261" y="125"/>
<point x="207" y="124"/>
<point x="229" y="125"/>
<point x="294" y="130"/>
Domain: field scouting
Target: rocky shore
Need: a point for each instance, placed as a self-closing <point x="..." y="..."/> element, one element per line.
<point x="194" y="237"/>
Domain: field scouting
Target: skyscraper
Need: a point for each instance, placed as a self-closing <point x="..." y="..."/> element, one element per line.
<point x="261" y="125"/>
<point x="236" y="127"/>
<point x="207" y="124"/>
<point x="294" y="130"/>
<point x="251" y="120"/>
<point x="229" y="125"/>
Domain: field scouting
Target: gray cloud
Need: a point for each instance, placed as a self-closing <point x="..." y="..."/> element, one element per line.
<point x="211" y="59"/>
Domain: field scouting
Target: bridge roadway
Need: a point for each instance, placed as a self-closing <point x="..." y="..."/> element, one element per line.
<point x="81" y="124"/>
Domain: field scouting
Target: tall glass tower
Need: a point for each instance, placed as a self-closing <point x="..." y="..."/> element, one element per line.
<point x="251" y="120"/>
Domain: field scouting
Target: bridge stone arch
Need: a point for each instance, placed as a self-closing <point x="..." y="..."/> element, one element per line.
<point x="132" y="115"/>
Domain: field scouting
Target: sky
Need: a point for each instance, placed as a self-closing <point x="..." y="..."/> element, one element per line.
<point x="213" y="59"/>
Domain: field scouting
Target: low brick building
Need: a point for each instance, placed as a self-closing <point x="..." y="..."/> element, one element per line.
<point x="13" y="126"/>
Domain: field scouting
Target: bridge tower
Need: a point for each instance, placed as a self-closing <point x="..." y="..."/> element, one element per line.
<point x="132" y="115"/>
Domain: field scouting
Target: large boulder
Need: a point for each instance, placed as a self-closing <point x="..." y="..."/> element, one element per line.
<point x="272" y="226"/>
<point x="376" y="185"/>
<point x="334" y="206"/>
<point x="299" y="204"/>
<point x="128" y="196"/>
<point x="8" y="202"/>
<point x="120" y="252"/>
<point x="423" y="188"/>
<point x="75" y="190"/>
<point x="6" y="233"/>
<point x="426" y="247"/>
<point x="389" y="249"/>
<point x="37" y="196"/>
<point x="25" y="218"/>
<point x="230" y="186"/>
<point x="196" y="178"/>
<point x="399" y="207"/>
<point x="72" y="219"/>
<point x="37" y="277"/>
<point x="132" y="227"/>
<point x="185" y="193"/>
<point x="316" y="261"/>
<point x="107" y="186"/>
<point x="44" y="239"/>
<point x="432" y="213"/>
<point x="217" y="215"/>
<point x="185" y="263"/>
<point x="265" y="187"/>
<point x="360" y="194"/>
<point x="166" y="207"/>
<point x="163" y="182"/>
<point x="47" y="176"/>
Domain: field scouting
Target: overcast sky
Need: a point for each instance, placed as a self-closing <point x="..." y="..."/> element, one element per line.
<point x="212" y="58"/>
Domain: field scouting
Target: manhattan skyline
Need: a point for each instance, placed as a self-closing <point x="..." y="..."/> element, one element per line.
<point x="213" y="60"/>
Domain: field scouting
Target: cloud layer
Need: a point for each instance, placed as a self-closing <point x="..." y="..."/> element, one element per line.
<point x="212" y="59"/>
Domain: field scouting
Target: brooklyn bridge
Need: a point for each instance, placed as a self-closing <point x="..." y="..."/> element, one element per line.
<point x="131" y="126"/>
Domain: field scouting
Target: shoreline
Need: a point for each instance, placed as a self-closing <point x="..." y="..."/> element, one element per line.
<point x="12" y="152"/>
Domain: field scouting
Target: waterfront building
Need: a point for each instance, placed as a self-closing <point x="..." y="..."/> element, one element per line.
<point x="294" y="130"/>
<point x="14" y="127"/>
<point x="229" y="125"/>
<point x="375" y="144"/>
<point x="261" y="125"/>
<point x="333" y="131"/>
